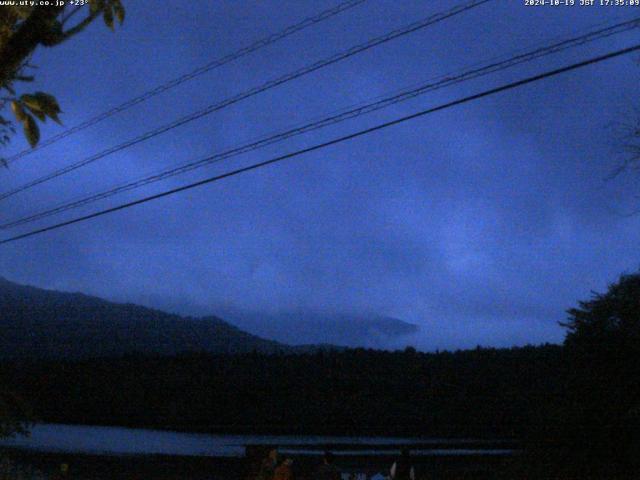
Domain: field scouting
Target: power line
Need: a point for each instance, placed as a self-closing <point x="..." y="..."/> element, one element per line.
<point x="335" y="141"/>
<point x="257" y="45"/>
<point x="438" y="17"/>
<point x="443" y="81"/>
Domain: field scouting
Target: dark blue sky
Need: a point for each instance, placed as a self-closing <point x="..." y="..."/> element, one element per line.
<point x="481" y="224"/>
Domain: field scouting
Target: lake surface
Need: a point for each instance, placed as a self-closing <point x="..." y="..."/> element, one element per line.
<point x="129" y="441"/>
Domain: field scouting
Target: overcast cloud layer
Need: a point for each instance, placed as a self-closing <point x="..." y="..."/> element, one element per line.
<point x="481" y="224"/>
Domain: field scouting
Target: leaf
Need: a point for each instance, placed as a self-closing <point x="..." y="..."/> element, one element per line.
<point x="31" y="131"/>
<point x="24" y="78"/>
<point x="21" y="12"/>
<point x="34" y="105"/>
<point x="18" y="111"/>
<point x="55" y="118"/>
<point x="119" y="11"/>
<point x="95" y="6"/>
<point x="42" y="104"/>
<point x="48" y="101"/>
<point x="41" y="116"/>
<point x="49" y="106"/>
<point x="108" y="17"/>
<point x="32" y="102"/>
<point x="4" y="163"/>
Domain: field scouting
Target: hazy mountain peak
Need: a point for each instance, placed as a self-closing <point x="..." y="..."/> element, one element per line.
<point x="304" y="327"/>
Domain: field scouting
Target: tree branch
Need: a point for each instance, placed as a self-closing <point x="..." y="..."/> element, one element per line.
<point x="71" y="14"/>
<point x="32" y="32"/>
<point x="79" y="27"/>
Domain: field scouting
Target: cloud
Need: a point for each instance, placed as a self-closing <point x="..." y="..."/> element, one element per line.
<point x="480" y="224"/>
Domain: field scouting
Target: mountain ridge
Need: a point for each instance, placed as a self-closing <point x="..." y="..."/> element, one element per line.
<point x="42" y="323"/>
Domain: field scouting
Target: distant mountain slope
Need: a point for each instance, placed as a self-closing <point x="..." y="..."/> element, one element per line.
<point x="44" y="323"/>
<point x="297" y="328"/>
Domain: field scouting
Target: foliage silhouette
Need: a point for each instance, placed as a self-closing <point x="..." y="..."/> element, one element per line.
<point x="23" y="28"/>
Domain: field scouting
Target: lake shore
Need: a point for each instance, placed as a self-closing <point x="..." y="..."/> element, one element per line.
<point x="170" y="467"/>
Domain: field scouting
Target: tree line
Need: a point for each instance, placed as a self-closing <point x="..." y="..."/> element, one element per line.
<point x="575" y="407"/>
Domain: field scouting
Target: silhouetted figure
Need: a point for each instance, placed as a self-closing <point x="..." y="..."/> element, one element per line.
<point x="327" y="471"/>
<point x="254" y="455"/>
<point x="402" y="468"/>
<point x="284" y="471"/>
<point x="268" y="466"/>
<point x="62" y="473"/>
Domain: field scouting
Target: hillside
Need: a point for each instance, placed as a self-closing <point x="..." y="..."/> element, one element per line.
<point x="45" y="323"/>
